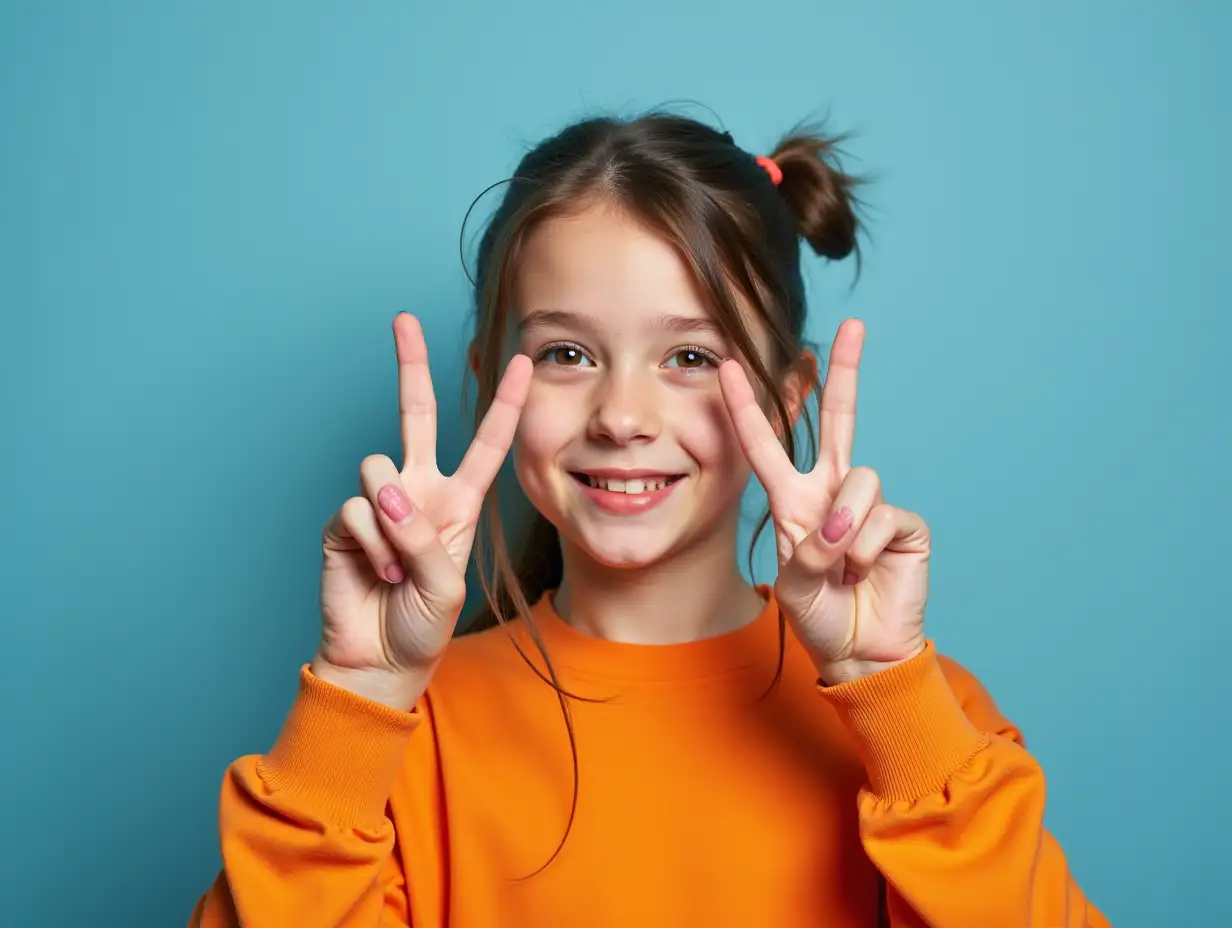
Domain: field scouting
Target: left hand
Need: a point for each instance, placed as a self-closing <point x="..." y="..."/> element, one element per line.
<point x="853" y="570"/>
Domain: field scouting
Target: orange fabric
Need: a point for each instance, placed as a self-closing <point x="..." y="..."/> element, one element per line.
<point x="705" y="797"/>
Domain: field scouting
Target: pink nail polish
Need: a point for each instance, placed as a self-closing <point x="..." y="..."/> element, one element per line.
<point x="393" y="502"/>
<point x="394" y="574"/>
<point x="835" y="527"/>
<point x="850" y="578"/>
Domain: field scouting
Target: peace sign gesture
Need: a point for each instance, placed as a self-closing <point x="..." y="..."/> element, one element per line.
<point x="853" y="571"/>
<point x="393" y="580"/>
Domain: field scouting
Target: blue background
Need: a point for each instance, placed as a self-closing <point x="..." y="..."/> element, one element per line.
<point x="209" y="214"/>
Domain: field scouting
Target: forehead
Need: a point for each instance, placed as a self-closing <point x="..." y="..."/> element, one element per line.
<point x="604" y="262"/>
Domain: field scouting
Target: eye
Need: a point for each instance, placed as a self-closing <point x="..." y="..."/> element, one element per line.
<point x="692" y="358"/>
<point x="564" y="354"/>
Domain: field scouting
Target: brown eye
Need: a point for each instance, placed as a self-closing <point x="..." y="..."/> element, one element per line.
<point x="692" y="359"/>
<point x="564" y="355"/>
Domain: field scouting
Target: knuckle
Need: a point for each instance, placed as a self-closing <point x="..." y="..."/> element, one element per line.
<point x="883" y="516"/>
<point x="419" y="407"/>
<point x="375" y="468"/>
<point x="865" y="475"/>
<point x="373" y="463"/>
<point x="354" y="512"/>
<point x="861" y="557"/>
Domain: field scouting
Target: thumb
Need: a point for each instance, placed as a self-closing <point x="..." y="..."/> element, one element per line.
<point x="417" y="541"/>
<point x="823" y="550"/>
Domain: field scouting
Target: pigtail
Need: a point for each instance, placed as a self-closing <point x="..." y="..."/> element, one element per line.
<point x="820" y="194"/>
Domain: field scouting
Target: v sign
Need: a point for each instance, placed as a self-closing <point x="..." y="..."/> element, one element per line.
<point x="393" y="579"/>
<point x="853" y="570"/>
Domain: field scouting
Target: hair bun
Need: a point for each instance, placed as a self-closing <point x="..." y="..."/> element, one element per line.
<point x="819" y="193"/>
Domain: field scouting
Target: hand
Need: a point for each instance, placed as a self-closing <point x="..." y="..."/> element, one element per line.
<point x="853" y="571"/>
<point x="393" y="581"/>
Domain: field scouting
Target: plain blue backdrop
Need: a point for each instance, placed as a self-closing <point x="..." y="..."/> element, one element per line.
<point x="210" y="213"/>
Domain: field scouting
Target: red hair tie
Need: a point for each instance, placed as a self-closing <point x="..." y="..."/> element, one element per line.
<point x="772" y="168"/>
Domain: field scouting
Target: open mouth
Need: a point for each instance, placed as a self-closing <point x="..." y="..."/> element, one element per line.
<point x="632" y="487"/>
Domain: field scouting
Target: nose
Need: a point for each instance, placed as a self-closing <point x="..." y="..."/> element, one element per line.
<point x="625" y="408"/>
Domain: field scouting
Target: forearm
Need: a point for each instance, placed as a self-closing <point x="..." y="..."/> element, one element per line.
<point x="952" y="814"/>
<point x="304" y="832"/>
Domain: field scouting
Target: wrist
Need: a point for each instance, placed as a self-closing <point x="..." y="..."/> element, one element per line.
<point x="397" y="689"/>
<point x="849" y="670"/>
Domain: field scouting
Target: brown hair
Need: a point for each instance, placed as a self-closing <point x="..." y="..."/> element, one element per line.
<point x="739" y="234"/>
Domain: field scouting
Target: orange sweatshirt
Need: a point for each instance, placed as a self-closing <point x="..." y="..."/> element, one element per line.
<point x="705" y="797"/>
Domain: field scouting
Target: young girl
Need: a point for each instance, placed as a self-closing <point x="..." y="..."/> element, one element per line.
<point x="633" y="735"/>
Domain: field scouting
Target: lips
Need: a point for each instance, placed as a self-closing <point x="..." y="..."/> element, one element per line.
<point x="629" y="485"/>
<point x="626" y="493"/>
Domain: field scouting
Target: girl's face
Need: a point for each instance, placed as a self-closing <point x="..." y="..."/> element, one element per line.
<point x="625" y="444"/>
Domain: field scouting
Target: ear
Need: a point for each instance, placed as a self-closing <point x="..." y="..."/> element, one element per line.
<point x="472" y="357"/>
<point x="799" y="384"/>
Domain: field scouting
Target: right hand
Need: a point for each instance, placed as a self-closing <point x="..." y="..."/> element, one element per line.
<point x="392" y="587"/>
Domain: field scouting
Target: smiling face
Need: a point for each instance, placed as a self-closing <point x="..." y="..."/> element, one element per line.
<point x="624" y="444"/>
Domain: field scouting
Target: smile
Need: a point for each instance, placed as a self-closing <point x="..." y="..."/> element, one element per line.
<point x="632" y="485"/>
<point x="627" y="495"/>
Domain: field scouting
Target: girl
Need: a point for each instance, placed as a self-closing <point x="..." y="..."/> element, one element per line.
<point x="633" y="735"/>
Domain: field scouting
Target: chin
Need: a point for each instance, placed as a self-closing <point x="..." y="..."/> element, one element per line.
<point x="631" y="553"/>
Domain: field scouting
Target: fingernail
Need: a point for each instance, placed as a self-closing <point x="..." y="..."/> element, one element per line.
<point x="393" y="502"/>
<point x="394" y="574"/>
<point x="835" y="527"/>
<point x="850" y="578"/>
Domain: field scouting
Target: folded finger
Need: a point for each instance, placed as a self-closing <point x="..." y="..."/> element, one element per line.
<point x="358" y="520"/>
<point x="887" y="528"/>
<point x="824" y="550"/>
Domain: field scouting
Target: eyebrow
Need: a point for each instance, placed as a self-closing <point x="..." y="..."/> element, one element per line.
<point x="686" y="324"/>
<point x="547" y="318"/>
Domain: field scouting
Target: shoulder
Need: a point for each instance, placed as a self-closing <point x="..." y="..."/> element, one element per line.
<point x="977" y="703"/>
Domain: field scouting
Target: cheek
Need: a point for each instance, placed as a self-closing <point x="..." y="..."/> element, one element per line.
<point x="705" y="432"/>
<point x="549" y="422"/>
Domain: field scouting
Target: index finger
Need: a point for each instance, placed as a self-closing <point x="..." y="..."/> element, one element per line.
<point x="838" y="398"/>
<point x="416" y="400"/>
<point x="483" y="459"/>
<point x="757" y="437"/>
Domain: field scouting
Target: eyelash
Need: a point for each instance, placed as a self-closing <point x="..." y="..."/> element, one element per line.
<point x="543" y="353"/>
<point x="707" y="355"/>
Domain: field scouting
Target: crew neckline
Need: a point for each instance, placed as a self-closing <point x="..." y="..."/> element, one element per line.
<point x="755" y="644"/>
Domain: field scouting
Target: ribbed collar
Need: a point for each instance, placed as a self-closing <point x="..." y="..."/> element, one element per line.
<point x="755" y="645"/>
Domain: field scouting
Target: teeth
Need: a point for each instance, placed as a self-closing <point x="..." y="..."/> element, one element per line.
<point x="641" y="485"/>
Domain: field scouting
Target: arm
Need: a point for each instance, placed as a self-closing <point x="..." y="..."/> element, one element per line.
<point x="953" y="810"/>
<point x="305" y="835"/>
<point x="306" y="838"/>
<point x="952" y="813"/>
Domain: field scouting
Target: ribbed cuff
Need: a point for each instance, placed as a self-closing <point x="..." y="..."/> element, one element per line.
<point x="912" y="732"/>
<point x="339" y="751"/>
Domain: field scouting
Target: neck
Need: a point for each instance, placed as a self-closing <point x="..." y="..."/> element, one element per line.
<point x="669" y="602"/>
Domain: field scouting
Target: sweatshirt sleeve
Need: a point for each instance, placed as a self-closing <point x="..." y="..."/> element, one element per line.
<point x="952" y="812"/>
<point x="306" y="839"/>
